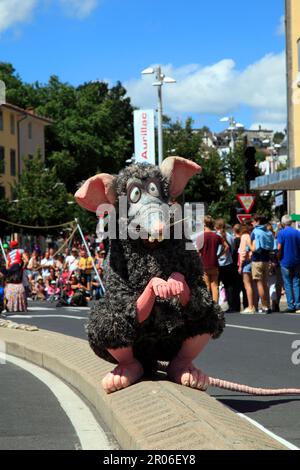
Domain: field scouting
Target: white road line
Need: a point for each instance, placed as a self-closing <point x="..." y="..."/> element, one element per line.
<point x="263" y="329"/>
<point x="90" y="434"/>
<point x="39" y="309"/>
<point x="288" y="444"/>
<point x="46" y="316"/>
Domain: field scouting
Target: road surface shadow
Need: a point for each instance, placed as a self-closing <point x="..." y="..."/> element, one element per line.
<point x="250" y="406"/>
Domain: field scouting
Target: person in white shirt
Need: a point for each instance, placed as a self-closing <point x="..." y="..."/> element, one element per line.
<point x="71" y="261"/>
<point x="46" y="263"/>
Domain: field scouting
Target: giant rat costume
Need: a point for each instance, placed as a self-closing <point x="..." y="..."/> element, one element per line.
<point x="155" y="297"/>
<point x="156" y="306"/>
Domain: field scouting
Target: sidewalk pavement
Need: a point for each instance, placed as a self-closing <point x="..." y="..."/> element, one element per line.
<point x="150" y="415"/>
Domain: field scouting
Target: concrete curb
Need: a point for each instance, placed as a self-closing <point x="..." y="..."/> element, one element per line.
<point x="150" y="415"/>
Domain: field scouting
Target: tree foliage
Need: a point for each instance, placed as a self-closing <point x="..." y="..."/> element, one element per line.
<point x="92" y="132"/>
<point x="92" y="124"/>
<point x="40" y="197"/>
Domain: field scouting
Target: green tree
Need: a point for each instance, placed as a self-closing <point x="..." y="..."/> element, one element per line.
<point x="4" y="213"/>
<point x="278" y="137"/>
<point x="222" y="176"/>
<point x="41" y="199"/>
<point x="92" y="127"/>
<point x="15" y="90"/>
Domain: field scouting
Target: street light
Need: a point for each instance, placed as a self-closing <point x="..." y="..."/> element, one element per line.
<point x="233" y="126"/>
<point x="160" y="80"/>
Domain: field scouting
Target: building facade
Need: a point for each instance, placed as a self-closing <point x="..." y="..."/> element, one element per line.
<point x="293" y="92"/>
<point x="289" y="179"/>
<point x="22" y="133"/>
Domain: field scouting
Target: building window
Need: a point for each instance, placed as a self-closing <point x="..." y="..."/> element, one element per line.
<point x="298" y="55"/>
<point x="12" y="124"/>
<point x="2" y="160"/>
<point x="13" y="163"/>
<point x="2" y="192"/>
<point x="1" y="121"/>
<point x="30" y="130"/>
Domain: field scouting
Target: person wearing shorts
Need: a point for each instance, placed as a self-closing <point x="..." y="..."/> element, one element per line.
<point x="261" y="260"/>
<point x="245" y="266"/>
<point x="208" y="244"/>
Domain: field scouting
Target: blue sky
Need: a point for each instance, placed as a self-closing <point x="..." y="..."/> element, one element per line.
<point x="227" y="56"/>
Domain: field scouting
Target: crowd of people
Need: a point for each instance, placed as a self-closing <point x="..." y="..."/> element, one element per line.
<point x="70" y="277"/>
<point x="249" y="261"/>
<point x="253" y="261"/>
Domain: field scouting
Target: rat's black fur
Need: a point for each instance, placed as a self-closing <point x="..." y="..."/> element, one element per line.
<point x="131" y="265"/>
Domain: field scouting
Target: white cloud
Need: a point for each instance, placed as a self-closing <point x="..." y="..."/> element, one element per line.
<point x="79" y="8"/>
<point x="20" y="11"/>
<point x="220" y="89"/>
<point x="15" y="11"/>
<point x="281" y="27"/>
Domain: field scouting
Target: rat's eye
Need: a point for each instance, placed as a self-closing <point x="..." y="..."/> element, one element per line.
<point x="135" y="194"/>
<point x="152" y="189"/>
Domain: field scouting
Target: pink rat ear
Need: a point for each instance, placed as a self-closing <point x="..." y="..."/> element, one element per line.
<point x="95" y="191"/>
<point x="178" y="171"/>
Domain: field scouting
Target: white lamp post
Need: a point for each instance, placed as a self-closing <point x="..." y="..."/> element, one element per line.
<point x="233" y="125"/>
<point x="160" y="80"/>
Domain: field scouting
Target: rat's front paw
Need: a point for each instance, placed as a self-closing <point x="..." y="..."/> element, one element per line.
<point x="178" y="287"/>
<point x="160" y="288"/>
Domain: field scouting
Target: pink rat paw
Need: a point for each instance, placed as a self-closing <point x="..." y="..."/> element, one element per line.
<point x="185" y="373"/>
<point x="123" y="376"/>
<point x="178" y="287"/>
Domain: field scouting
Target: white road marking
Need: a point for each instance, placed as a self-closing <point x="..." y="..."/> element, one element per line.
<point x="270" y="433"/>
<point x="46" y="316"/>
<point x="39" y="309"/>
<point x="263" y="329"/>
<point x="89" y="432"/>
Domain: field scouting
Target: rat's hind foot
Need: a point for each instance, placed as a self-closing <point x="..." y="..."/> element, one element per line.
<point x="123" y="376"/>
<point x="185" y="373"/>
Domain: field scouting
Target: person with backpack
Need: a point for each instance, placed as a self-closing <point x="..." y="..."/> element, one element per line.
<point x="15" y="255"/>
<point x="228" y="270"/>
<point x="262" y="245"/>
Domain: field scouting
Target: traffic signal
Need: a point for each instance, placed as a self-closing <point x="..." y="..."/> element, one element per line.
<point x="250" y="164"/>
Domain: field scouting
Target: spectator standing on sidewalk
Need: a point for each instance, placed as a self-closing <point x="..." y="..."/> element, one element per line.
<point x="288" y="243"/>
<point x="228" y="271"/>
<point x="244" y="263"/>
<point x="262" y="244"/>
<point x="15" y="255"/>
<point x="15" y="295"/>
<point x="208" y="244"/>
<point x="237" y="233"/>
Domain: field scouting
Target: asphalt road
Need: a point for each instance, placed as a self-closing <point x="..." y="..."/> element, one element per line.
<point x="31" y="417"/>
<point x="254" y="349"/>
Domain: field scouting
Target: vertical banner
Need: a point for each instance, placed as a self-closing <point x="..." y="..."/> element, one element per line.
<point x="144" y="140"/>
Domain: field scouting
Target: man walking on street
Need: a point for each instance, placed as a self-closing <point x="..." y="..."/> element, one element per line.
<point x="289" y="257"/>
<point x="262" y="245"/>
<point x="208" y="243"/>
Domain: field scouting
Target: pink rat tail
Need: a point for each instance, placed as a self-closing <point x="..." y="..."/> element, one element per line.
<point x="235" y="387"/>
<point x="251" y="390"/>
